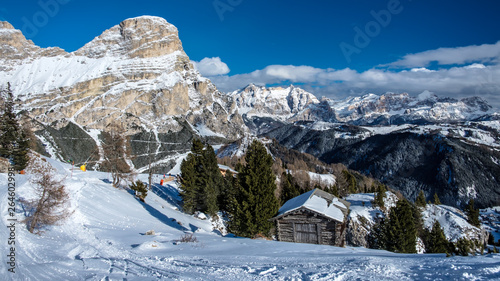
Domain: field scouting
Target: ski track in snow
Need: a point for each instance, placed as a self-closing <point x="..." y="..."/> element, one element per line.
<point x="104" y="239"/>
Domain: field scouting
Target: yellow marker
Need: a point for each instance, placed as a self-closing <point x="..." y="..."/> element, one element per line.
<point x="83" y="168"/>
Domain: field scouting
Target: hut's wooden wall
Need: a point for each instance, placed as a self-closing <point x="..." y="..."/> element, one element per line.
<point x="304" y="226"/>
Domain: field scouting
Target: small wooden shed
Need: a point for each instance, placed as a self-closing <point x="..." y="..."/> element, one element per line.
<point x="315" y="217"/>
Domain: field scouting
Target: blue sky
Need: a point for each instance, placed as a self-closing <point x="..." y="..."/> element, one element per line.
<point x="332" y="48"/>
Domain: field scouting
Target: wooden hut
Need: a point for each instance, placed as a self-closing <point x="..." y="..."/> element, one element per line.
<point x="315" y="217"/>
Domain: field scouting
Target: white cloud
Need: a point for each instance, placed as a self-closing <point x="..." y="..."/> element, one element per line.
<point x="457" y="82"/>
<point x="211" y="67"/>
<point x="485" y="53"/>
<point x="474" y="79"/>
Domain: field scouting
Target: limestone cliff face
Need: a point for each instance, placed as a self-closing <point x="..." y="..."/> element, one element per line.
<point x="143" y="37"/>
<point x="136" y="73"/>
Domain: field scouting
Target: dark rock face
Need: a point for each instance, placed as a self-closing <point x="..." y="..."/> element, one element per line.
<point x="409" y="162"/>
<point x="71" y="143"/>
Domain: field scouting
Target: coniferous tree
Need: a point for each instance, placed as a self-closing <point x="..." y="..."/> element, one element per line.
<point x="8" y="126"/>
<point x="333" y="189"/>
<point x="472" y="214"/>
<point x="437" y="240"/>
<point x="256" y="200"/>
<point x="141" y="190"/>
<point x="228" y="191"/>
<point x="289" y="188"/>
<point x="418" y="220"/>
<point x="14" y="141"/>
<point x="463" y="246"/>
<point x="202" y="181"/>
<point x="401" y="232"/>
<point x="436" y="199"/>
<point x="379" y="196"/>
<point x="377" y="239"/>
<point x="188" y="184"/>
<point x="351" y="181"/>
<point x="20" y="152"/>
<point x="420" y="202"/>
<point x="210" y="181"/>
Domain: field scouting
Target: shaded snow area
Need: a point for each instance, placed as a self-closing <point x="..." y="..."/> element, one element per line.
<point x="105" y="239"/>
<point x="490" y="218"/>
<point x="362" y="209"/>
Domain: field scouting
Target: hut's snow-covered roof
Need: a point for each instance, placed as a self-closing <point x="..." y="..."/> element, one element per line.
<point x="317" y="201"/>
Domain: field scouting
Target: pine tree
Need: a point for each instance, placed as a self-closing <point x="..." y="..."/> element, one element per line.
<point x="377" y="238"/>
<point x="188" y="184"/>
<point x="210" y="181"/>
<point x="227" y="196"/>
<point x="202" y="181"/>
<point x="351" y="181"/>
<point x="437" y="240"/>
<point x="379" y="196"/>
<point x="420" y="202"/>
<point x="401" y="232"/>
<point x="9" y="127"/>
<point x="436" y="199"/>
<point x="463" y="246"/>
<point x="141" y="190"/>
<point x="289" y="188"/>
<point x="472" y="214"/>
<point x="20" y="153"/>
<point x="14" y="142"/>
<point x="257" y="203"/>
<point x="333" y="189"/>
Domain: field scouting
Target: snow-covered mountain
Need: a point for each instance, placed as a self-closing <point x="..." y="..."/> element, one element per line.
<point x="295" y="104"/>
<point x="136" y="72"/>
<point x="276" y="102"/>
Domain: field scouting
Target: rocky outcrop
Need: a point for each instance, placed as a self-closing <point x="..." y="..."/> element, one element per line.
<point x="142" y="37"/>
<point x="14" y="47"/>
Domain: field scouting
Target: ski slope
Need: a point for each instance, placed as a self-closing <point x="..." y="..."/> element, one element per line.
<point x="104" y="239"/>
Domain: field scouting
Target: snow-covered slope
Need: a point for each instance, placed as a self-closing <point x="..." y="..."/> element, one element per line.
<point x="363" y="215"/>
<point x="105" y="239"/>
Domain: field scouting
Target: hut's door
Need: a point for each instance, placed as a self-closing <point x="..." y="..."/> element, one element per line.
<point x="306" y="233"/>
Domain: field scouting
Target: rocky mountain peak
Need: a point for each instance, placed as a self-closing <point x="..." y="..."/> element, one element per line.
<point x="14" y="47"/>
<point x="282" y="103"/>
<point x="477" y="103"/>
<point x="141" y="37"/>
<point x="13" y="44"/>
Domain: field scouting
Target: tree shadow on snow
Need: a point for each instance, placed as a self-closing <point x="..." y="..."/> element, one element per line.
<point x="162" y="217"/>
<point x="167" y="193"/>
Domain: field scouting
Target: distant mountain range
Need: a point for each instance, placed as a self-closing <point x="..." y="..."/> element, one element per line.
<point x="137" y="73"/>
